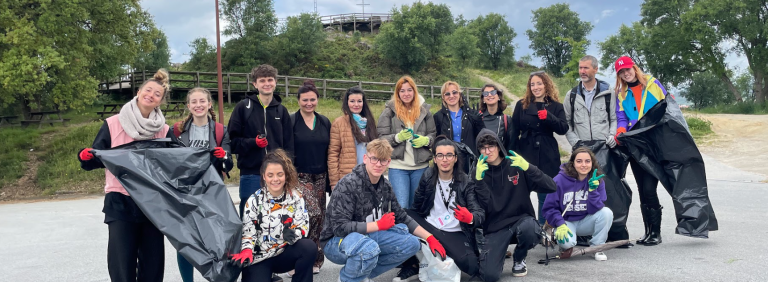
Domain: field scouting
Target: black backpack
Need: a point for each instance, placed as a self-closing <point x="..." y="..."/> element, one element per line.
<point x="577" y="91"/>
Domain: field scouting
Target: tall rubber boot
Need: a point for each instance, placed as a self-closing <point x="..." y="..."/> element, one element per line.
<point x="644" y="212"/>
<point x="654" y="238"/>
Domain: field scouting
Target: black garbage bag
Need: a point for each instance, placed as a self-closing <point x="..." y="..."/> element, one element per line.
<point x="662" y="144"/>
<point x="185" y="198"/>
<point x="613" y="163"/>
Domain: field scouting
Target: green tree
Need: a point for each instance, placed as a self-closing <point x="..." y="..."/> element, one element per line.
<point x="549" y="23"/>
<point x="463" y="46"/>
<point x="706" y="89"/>
<point x="629" y="41"/>
<point x="494" y="40"/>
<point x="54" y="52"/>
<point x="298" y="40"/>
<point x="202" y="57"/>
<point x="416" y="35"/>
<point x="578" y="51"/>
<point x="159" y="57"/>
<point x="252" y="25"/>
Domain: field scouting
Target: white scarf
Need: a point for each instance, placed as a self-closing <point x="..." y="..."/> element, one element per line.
<point x="138" y="127"/>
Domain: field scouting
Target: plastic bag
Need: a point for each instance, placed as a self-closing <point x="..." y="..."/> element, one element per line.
<point x="184" y="197"/>
<point x="613" y="163"/>
<point x="431" y="268"/>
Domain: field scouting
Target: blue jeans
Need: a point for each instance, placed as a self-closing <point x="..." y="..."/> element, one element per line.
<point x="405" y="183"/>
<point x="368" y="256"/>
<point x="597" y="224"/>
<point x="249" y="184"/>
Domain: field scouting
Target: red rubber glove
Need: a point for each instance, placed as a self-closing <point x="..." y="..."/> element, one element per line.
<point x="543" y="114"/>
<point x="261" y="142"/>
<point x="86" y="155"/>
<point x="462" y="214"/>
<point x="219" y="152"/>
<point x="386" y="221"/>
<point x="619" y="130"/>
<point x="242" y="259"/>
<point x="435" y="246"/>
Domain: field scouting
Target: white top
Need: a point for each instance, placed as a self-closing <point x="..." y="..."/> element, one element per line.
<point x="440" y="216"/>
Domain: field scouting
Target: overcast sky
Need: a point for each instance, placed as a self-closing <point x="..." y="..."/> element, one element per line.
<point x="184" y="20"/>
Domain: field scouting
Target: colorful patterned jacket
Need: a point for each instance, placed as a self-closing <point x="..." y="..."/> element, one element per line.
<point x="627" y="110"/>
<point x="265" y="218"/>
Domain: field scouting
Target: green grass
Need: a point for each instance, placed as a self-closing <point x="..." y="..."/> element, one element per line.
<point x="60" y="169"/>
<point x="17" y="143"/>
<point x="699" y="127"/>
<point x="747" y="108"/>
<point x="516" y="81"/>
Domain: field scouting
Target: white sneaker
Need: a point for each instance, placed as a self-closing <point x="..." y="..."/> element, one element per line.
<point x="600" y="256"/>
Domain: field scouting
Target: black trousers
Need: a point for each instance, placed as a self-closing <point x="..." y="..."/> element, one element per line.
<point x="135" y="252"/>
<point x="299" y="256"/>
<point x="526" y="231"/>
<point x="456" y="244"/>
<point x="646" y="185"/>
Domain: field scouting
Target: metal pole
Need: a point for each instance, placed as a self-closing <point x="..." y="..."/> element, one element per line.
<point x="218" y="66"/>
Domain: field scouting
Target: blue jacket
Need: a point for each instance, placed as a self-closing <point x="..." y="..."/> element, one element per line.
<point x="627" y="110"/>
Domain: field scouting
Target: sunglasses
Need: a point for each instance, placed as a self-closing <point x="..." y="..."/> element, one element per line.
<point x="537" y="72"/>
<point x="490" y="93"/>
<point x="454" y="92"/>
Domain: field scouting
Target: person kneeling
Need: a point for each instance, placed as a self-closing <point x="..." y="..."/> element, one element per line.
<point x="275" y="223"/>
<point x="446" y="206"/>
<point x="577" y="208"/>
<point x="365" y="229"/>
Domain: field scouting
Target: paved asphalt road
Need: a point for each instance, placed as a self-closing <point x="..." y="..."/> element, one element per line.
<point x="66" y="241"/>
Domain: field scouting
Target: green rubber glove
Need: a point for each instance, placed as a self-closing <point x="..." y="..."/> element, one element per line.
<point x="517" y="161"/>
<point x="419" y="141"/>
<point x="595" y="181"/>
<point x="562" y="234"/>
<point x="482" y="166"/>
<point x="405" y="134"/>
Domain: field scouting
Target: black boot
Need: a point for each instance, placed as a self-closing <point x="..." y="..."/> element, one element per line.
<point x="654" y="237"/>
<point x="644" y="212"/>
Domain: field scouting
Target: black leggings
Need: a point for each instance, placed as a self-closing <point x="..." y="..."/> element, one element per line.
<point x="456" y="244"/>
<point x="646" y="185"/>
<point x="135" y="252"/>
<point x="299" y="256"/>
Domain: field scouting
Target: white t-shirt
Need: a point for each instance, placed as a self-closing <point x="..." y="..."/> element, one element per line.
<point x="440" y="216"/>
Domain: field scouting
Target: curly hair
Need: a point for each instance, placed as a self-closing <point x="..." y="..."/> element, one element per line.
<point x="263" y="71"/>
<point x="570" y="169"/>
<point x="281" y="158"/>
<point x="550" y="88"/>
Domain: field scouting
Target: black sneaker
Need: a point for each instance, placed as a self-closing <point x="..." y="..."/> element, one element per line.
<point x="276" y="278"/>
<point x="407" y="273"/>
<point x="519" y="269"/>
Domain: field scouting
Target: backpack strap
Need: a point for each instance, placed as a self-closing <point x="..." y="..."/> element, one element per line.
<point x="176" y="130"/>
<point x="505" y="122"/>
<point x="572" y="98"/>
<point x="293" y="119"/>
<point x="219" y="132"/>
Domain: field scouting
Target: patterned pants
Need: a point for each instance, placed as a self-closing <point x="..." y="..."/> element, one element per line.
<point x="313" y="189"/>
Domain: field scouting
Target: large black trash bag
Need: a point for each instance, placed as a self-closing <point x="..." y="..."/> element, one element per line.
<point x="613" y="163"/>
<point x="185" y="198"/>
<point x="662" y="144"/>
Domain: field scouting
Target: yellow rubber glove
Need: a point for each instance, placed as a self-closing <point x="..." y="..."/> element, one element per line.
<point x="517" y="161"/>
<point x="594" y="181"/>
<point x="482" y="166"/>
<point x="420" y="141"/>
<point x="404" y="134"/>
<point x="562" y="234"/>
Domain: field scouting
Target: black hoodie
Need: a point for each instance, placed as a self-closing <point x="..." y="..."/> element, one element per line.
<point x="249" y="119"/>
<point x="505" y="191"/>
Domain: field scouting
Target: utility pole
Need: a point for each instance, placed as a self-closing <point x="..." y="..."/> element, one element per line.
<point x="218" y="66"/>
<point x="363" y="6"/>
<point x="316" y="8"/>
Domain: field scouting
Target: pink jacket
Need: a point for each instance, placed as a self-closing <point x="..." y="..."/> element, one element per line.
<point x="119" y="137"/>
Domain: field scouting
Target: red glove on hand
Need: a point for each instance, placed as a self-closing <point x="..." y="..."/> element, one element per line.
<point x="462" y="214"/>
<point x="219" y="152"/>
<point x="386" y="221"/>
<point x="543" y="114"/>
<point x="242" y="259"/>
<point x="435" y="246"/>
<point x="261" y="142"/>
<point x="619" y="130"/>
<point x="86" y="155"/>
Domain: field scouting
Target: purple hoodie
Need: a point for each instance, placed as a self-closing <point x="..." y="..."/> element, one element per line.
<point x="586" y="202"/>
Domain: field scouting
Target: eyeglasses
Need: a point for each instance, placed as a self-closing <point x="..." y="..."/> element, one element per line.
<point x="537" y="72"/>
<point x="445" y="156"/>
<point x="375" y="160"/>
<point x="488" y="149"/>
<point x="454" y="92"/>
<point x="490" y="93"/>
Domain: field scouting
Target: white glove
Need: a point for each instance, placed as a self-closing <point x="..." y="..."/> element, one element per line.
<point x="610" y="142"/>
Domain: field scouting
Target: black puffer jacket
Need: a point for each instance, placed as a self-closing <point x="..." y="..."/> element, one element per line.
<point x="465" y="197"/>
<point x="471" y="124"/>
<point x="353" y="202"/>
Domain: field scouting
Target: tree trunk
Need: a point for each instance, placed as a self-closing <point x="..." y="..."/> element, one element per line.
<point x="727" y="80"/>
<point x="760" y="87"/>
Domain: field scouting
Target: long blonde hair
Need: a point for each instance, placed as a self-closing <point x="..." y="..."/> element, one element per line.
<point x="407" y="114"/>
<point x="549" y="87"/>
<point x="621" y="86"/>
<point x="211" y="113"/>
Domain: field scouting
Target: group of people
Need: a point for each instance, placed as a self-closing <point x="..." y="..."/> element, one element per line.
<point x="459" y="180"/>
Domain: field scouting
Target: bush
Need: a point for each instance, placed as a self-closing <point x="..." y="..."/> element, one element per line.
<point x="746" y="108"/>
<point x="699" y="127"/>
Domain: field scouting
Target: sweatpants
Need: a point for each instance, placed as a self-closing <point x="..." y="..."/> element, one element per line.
<point x="135" y="252"/>
<point x="456" y="244"/>
<point x="526" y="231"/>
<point x="299" y="256"/>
